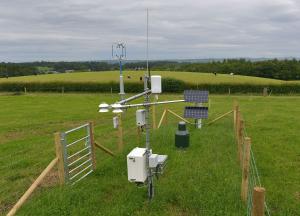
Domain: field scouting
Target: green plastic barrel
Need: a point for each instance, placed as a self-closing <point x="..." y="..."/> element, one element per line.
<point x="182" y="136"/>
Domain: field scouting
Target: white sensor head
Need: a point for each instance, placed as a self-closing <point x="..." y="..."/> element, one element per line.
<point x="103" y="107"/>
<point x="117" y="108"/>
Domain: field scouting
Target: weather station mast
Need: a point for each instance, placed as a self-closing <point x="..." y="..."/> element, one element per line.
<point x="142" y="163"/>
<point x="147" y="113"/>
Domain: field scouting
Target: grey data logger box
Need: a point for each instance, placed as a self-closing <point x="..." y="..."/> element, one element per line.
<point x="140" y="117"/>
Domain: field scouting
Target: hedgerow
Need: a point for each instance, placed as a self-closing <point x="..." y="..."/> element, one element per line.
<point x="169" y="85"/>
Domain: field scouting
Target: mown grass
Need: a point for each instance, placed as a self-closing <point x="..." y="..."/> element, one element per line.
<point x="203" y="180"/>
<point x="113" y="76"/>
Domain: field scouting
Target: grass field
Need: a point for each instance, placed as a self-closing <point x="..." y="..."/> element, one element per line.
<point x="203" y="180"/>
<point x="189" y="77"/>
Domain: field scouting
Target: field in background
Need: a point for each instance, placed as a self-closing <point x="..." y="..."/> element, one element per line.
<point x="203" y="180"/>
<point x="110" y="76"/>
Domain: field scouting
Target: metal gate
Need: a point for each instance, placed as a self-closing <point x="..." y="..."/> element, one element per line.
<point x="77" y="149"/>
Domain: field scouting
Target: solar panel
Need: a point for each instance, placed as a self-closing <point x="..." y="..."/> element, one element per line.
<point x="197" y="96"/>
<point x="196" y="112"/>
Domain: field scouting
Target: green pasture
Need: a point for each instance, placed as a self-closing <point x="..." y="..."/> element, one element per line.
<point x="110" y="76"/>
<point x="201" y="180"/>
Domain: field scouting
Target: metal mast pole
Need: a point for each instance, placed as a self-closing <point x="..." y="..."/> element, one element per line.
<point x="147" y="109"/>
<point x="122" y="93"/>
<point x="147" y="57"/>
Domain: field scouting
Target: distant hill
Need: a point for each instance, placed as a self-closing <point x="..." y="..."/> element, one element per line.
<point x="134" y="76"/>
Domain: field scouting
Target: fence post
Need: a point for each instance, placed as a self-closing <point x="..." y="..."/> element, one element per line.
<point x="92" y="143"/>
<point x="166" y="117"/>
<point x="240" y="142"/>
<point x="25" y="90"/>
<point x="258" y="205"/>
<point x="31" y="189"/>
<point x="265" y="92"/>
<point x="235" y="109"/>
<point x="237" y="128"/>
<point x="59" y="155"/>
<point x="245" y="171"/>
<point x="162" y="118"/>
<point x="120" y="133"/>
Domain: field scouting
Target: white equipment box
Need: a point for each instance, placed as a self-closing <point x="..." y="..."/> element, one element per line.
<point x="153" y="160"/>
<point x="136" y="165"/>
<point x="140" y="117"/>
<point x="156" y="84"/>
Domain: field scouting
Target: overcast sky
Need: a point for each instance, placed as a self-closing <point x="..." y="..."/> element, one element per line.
<point x="85" y="29"/>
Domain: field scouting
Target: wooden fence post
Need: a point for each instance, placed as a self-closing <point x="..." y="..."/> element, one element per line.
<point x="216" y="119"/>
<point x="240" y="142"/>
<point x="103" y="148"/>
<point x="120" y="133"/>
<point x="245" y="171"/>
<point x="238" y="121"/>
<point x="59" y="155"/>
<point x="178" y="116"/>
<point x="265" y="92"/>
<point x="162" y="118"/>
<point x="92" y="143"/>
<point x="258" y="203"/>
<point x="235" y="109"/>
<point x="166" y="117"/>
<point x="31" y="189"/>
<point x="25" y="90"/>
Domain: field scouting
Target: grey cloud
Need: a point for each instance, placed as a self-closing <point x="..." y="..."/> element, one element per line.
<point x="85" y="29"/>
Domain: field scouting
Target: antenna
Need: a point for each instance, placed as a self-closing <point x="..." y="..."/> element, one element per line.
<point x="147" y="55"/>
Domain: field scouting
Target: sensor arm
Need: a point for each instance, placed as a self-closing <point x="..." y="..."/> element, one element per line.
<point x="134" y="97"/>
<point x="117" y="106"/>
<point x="152" y="103"/>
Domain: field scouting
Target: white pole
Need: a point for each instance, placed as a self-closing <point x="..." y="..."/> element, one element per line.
<point x="147" y="57"/>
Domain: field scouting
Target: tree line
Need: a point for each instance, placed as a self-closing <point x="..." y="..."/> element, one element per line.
<point x="276" y="69"/>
